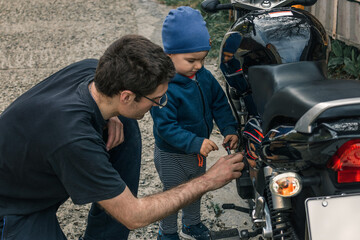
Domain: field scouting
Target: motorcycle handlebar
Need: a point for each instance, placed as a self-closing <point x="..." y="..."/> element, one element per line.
<point x="212" y="6"/>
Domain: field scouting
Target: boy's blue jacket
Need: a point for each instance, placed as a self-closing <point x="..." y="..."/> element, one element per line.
<point x="187" y="119"/>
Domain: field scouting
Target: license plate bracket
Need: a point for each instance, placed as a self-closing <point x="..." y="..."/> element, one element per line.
<point x="333" y="217"/>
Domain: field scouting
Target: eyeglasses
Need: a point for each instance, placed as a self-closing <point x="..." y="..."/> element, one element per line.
<point x="162" y="101"/>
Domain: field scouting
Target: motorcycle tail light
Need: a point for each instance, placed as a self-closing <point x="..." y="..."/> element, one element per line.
<point x="346" y="162"/>
<point x="286" y="184"/>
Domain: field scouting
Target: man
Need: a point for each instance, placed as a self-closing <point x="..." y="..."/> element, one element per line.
<point x="52" y="147"/>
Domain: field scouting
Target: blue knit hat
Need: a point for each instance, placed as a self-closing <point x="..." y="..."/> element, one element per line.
<point x="184" y="31"/>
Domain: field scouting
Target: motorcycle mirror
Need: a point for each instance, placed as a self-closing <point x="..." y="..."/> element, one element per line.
<point x="287" y="184"/>
<point x="210" y="5"/>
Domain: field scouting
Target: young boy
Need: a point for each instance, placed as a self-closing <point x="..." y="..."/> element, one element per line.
<point x="182" y="128"/>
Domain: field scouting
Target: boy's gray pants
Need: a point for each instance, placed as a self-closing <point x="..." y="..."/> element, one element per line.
<point x="175" y="169"/>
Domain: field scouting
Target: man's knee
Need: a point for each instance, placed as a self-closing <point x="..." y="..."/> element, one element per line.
<point x="40" y="225"/>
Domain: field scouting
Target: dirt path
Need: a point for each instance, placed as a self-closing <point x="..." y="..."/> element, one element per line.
<point x="38" y="37"/>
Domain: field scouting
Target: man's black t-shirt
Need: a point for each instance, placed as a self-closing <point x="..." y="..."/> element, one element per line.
<point x="51" y="146"/>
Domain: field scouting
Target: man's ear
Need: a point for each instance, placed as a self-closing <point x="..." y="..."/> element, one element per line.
<point x="127" y="96"/>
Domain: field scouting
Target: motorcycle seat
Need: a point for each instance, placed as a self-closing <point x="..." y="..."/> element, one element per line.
<point x="293" y="101"/>
<point x="284" y="92"/>
<point x="265" y="80"/>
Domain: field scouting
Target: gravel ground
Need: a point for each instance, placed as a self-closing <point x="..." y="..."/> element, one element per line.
<point x="39" y="37"/>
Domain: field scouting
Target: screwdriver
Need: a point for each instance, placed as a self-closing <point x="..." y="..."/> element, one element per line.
<point x="227" y="148"/>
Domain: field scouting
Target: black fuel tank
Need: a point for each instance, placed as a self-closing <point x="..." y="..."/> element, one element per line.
<point x="275" y="36"/>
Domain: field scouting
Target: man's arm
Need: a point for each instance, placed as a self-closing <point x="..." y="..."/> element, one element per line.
<point x="139" y="212"/>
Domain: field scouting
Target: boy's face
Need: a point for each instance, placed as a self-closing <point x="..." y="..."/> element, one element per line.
<point x="188" y="64"/>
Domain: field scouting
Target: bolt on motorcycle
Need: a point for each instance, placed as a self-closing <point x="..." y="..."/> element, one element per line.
<point x="299" y="130"/>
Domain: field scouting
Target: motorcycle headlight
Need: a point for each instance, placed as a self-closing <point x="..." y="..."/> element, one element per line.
<point x="286" y="184"/>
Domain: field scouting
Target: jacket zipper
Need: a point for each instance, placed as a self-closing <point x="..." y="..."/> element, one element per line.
<point x="203" y="102"/>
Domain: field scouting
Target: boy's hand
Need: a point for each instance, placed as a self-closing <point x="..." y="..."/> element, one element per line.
<point x="232" y="139"/>
<point x="207" y="146"/>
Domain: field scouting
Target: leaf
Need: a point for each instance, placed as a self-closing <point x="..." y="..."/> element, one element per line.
<point x="337" y="49"/>
<point x="353" y="55"/>
<point x="335" y="61"/>
<point x="347" y="61"/>
<point x="351" y="70"/>
<point x="347" y="51"/>
<point x="350" y="67"/>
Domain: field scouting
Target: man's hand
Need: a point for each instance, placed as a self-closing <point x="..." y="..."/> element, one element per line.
<point x="233" y="140"/>
<point x="138" y="212"/>
<point x="115" y="133"/>
<point x="224" y="170"/>
<point x="208" y="146"/>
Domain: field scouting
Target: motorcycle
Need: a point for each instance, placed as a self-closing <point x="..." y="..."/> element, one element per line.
<point x="299" y="130"/>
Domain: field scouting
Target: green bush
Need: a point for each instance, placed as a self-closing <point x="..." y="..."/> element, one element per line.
<point x="218" y="24"/>
<point x="344" y="61"/>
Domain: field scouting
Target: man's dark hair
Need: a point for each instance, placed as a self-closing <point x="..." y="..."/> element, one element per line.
<point x="133" y="63"/>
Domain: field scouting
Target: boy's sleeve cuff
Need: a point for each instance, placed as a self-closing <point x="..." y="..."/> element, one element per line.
<point x="196" y="145"/>
<point x="229" y="130"/>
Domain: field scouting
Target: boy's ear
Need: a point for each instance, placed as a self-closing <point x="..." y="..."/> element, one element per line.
<point x="127" y="96"/>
